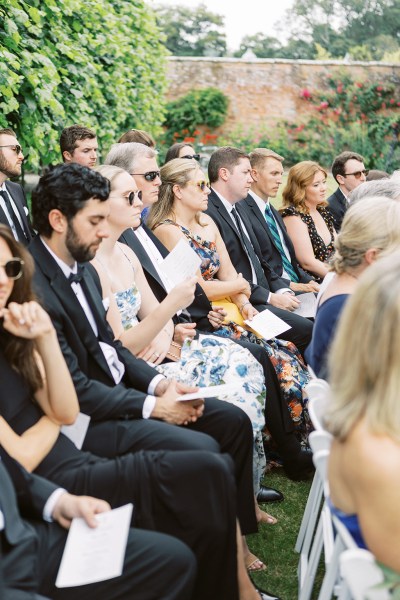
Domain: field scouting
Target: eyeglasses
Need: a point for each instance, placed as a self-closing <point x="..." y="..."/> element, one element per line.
<point x="149" y="176"/>
<point x="357" y="174"/>
<point x="16" y="147"/>
<point x="13" y="268"/>
<point x="195" y="156"/>
<point x="131" y="196"/>
<point x="201" y="184"/>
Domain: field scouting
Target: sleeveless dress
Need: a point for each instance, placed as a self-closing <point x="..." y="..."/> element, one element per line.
<point x="287" y="361"/>
<point x="322" y="251"/>
<point x="208" y="361"/>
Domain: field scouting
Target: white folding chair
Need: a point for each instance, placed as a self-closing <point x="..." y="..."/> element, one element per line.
<point x="318" y="392"/>
<point x="362" y="575"/>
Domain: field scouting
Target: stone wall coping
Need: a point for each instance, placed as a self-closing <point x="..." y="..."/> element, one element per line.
<point x="288" y="61"/>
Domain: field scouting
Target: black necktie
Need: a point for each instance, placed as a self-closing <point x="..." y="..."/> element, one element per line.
<point x="261" y="279"/>
<point x="22" y="237"/>
<point x="76" y="277"/>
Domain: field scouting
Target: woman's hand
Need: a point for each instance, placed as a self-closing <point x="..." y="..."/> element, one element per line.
<point x="182" y="295"/>
<point x="28" y="320"/>
<point x="157" y="350"/>
<point x="183" y="331"/>
<point x="216" y="316"/>
<point x="248" y="311"/>
<point x="243" y="286"/>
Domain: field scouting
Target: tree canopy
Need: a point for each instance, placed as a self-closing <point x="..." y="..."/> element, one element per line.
<point x="99" y="63"/>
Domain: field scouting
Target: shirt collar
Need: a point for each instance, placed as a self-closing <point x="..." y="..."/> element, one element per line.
<point x="66" y="269"/>
<point x="225" y="203"/>
<point x="259" y="201"/>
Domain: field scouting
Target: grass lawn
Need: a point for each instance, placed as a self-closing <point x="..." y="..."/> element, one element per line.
<point x="274" y="544"/>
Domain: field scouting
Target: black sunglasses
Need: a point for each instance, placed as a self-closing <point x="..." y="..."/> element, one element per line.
<point x="131" y="196"/>
<point x="357" y="174"/>
<point x="195" y="156"/>
<point x="13" y="268"/>
<point x="16" y="147"/>
<point x="149" y="176"/>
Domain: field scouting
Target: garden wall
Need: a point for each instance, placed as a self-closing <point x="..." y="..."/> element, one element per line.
<point x="262" y="92"/>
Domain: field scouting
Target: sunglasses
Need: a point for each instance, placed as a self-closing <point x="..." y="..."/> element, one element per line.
<point x="131" y="196"/>
<point x="16" y="147"/>
<point x="149" y="176"/>
<point x="195" y="156"/>
<point x="357" y="174"/>
<point x="13" y="268"/>
<point x="201" y="184"/>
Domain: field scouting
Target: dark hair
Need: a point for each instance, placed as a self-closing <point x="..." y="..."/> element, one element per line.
<point x="375" y="174"/>
<point x="66" y="187"/>
<point x="139" y="136"/>
<point x="7" y="131"/>
<point x="225" y="157"/>
<point x="19" y="352"/>
<point x="173" y="151"/>
<point x="70" y="135"/>
<point x="340" y="161"/>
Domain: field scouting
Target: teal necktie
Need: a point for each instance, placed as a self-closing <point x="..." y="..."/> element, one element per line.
<point x="287" y="265"/>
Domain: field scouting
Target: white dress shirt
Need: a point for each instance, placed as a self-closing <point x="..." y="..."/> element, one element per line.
<point x="6" y="211"/>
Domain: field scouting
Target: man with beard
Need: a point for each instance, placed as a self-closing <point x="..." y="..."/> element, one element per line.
<point x="132" y="406"/>
<point x="13" y="207"/>
<point x="79" y="145"/>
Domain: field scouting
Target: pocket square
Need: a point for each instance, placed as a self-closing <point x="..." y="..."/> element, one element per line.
<point x="106" y="303"/>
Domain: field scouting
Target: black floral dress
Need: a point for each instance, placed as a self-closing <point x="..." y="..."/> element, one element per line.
<point x="322" y="251"/>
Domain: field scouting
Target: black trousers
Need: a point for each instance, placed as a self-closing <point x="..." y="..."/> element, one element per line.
<point x="223" y="427"/>
<point x="189" y="495"/>
<point x="155" y="566"/>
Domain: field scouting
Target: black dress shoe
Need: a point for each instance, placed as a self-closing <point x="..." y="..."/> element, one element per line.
<point x="300" y="467"/>
<point x="267" y="494"/>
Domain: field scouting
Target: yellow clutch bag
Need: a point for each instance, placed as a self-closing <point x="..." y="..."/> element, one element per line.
<point x="233" y="313"/>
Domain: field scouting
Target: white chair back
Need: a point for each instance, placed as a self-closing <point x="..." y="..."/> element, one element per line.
<point x="362" y="574"/>
<point x="318" y="392"/>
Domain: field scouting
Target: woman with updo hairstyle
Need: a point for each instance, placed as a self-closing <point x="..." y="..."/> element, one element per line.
<point x="307" y="217"/>
<point x="370" y="230"/>
<point x="364" y="414"/>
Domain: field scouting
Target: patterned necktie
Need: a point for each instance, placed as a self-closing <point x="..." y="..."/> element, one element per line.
<point x="287" y="265"/>
<point x="22" y="237"/>
<point x="261" y="279"/>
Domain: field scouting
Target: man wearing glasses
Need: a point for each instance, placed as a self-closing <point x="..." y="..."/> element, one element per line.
<point x="349" y="171"/>
<point x="13" y="207"/>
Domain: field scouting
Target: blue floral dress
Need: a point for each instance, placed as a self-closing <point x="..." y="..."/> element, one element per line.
<point x="208" y="361"/>
<point x="288" y="363"/>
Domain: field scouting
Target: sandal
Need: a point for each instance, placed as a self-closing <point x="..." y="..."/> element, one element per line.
<point x="254" y="564"/>
<point x="267" y="518"/>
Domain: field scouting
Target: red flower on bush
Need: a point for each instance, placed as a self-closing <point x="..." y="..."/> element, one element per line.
<point x="196" y="132"/>
<point x="339" y="89"/>
<point x="359" y="85"/>
<point x="379" y="88"/>
<point x="189" y="140"/>
<point x="392" y="100"/>
<point x="185" y="131"/>
<point x="306" y="94"/>
<point x="383" y="105"/>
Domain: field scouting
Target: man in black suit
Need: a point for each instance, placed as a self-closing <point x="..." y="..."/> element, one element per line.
<point x="132" y="406"/>
<point x="78" y="144"/>
<point x="13" y="207"/>
<point x="155" y="565"/>
<point x="137" y="158"/>
<point x="229" y="171"/>
<point x="268" y="226"/>
<point x="349" y="172"/>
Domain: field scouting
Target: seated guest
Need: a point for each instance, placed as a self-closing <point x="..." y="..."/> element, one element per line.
<point x="388" y="188"/>
<point x="376" y="174"/>
<point x="13" y="206"/>
<point x="275" y="244"/>
<point x="155" y="564"/>
<point x="349" y="172"/>
<point x="137" y="158"/>
<point x="364" y="415"/>
<point x="178" y="215"/>
<point x="79" y="145"/>
<point x="132" y="406"/>
<point x="139" y="136"/>
<point x="308" y="221"/>
<point x="181" y="150"/>
<point x="38" y="396"/>
<point x="370" y="230"/>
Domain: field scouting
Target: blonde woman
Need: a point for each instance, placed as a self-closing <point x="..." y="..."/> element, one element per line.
<point x="364" y="415"/>
<point x="370" y="230"/>
<point x="308" y="221"/>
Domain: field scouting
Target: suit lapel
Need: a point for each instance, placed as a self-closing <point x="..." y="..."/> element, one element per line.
<point x="258" y="214"/>
<point x="129" y="238"/>
<point x="225" y="215"/>
<point x="19" y="204"/>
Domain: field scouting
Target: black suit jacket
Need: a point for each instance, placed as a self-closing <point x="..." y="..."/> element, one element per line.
<point x="98" y="395"/>
<point x="269" y="251"/>
<point x="237" y="251"/>
<point x="338" y="206"/>
<point x="18" y="195"/>
<point x="200" y="307"/>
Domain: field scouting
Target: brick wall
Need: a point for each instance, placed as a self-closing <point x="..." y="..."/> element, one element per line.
<point x="264" y="91"/>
